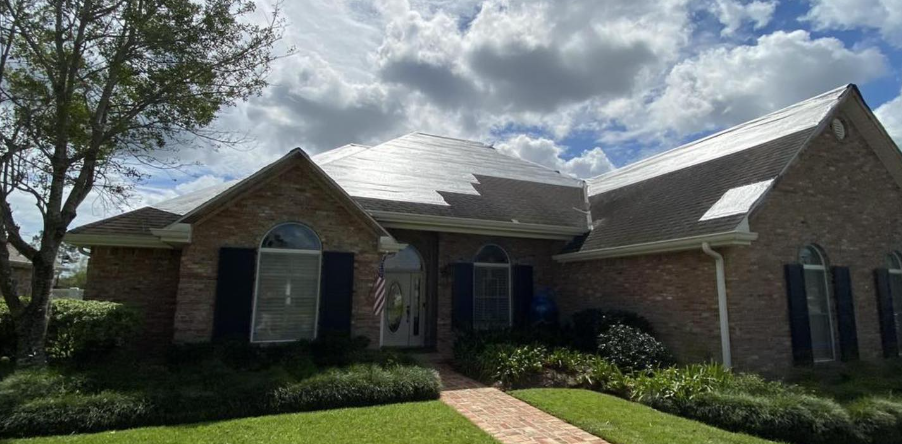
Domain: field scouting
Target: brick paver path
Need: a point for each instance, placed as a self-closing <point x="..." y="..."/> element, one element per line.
<point x="506" y="418"/>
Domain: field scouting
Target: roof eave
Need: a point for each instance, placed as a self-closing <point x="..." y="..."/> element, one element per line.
<point x="408" y="221"/>
<point x="723" y="239"/>
<point x="115" y="240"/>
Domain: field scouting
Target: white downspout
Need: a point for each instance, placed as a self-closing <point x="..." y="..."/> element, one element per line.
<point x="721" y="304"/>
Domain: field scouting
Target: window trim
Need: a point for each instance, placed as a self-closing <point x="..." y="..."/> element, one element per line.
<point x="823" y="268"/>
<point x="319" y="280"/>
<point x="510" y="284"/>
<point x="898" y="257"/>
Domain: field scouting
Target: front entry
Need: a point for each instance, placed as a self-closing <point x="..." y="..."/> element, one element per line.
<point x="404" y="315"/>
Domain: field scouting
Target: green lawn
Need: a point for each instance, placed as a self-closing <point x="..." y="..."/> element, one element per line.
<point x="623" y="422"/>
<point x="420" y="422"/>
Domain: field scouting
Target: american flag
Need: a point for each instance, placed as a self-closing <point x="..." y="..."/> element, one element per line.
<point x="379" y="289"/>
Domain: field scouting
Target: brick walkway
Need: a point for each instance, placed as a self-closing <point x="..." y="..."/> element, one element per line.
<point x="506" y="418"/>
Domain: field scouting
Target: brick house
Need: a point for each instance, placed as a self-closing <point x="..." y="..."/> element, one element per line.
<point x="771" y="244"/>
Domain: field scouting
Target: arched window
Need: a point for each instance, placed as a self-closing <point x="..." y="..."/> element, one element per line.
<point x="492" y="288"/>
<point x="286" y="300"/>
<point x="820" y="314"/>
<point x="894" y="265"/>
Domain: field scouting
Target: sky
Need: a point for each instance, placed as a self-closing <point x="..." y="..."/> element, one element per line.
<point x="582" y="86"/>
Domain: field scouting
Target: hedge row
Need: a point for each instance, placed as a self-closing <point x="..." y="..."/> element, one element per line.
<point x="36" y="403"/>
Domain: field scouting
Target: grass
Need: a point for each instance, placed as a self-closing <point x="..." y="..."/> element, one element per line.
<point x="420" y="422"/>
<point x="625" y="422"/>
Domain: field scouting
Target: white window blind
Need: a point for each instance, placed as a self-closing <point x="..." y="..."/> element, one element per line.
<point x="287" y="293"/>
<point x="492" y="296"/>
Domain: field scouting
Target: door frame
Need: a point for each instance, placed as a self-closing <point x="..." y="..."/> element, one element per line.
<point x="423" y="275"/>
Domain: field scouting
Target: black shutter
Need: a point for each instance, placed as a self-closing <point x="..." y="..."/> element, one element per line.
<point x="799" y="325"/>
<point x="885" y="312"/>
<point x="335" y="293"/>
<point x="234" y="293"/>
<point x="462" y="295"/>
<point x="522" y="295"/>
<point x="845" y="313"/>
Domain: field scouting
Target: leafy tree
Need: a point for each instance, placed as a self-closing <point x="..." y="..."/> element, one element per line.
<point x="89" y="91"/>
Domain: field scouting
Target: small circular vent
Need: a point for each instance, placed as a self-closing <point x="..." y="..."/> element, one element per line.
<point x="839" y="129"/>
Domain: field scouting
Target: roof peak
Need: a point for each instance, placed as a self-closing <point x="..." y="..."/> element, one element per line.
<point x="805" y="114"/>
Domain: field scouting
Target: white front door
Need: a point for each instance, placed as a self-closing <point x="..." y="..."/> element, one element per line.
<point x="404" y="315"/>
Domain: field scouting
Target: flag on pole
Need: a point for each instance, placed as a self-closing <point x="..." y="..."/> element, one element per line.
<point x="379" y="289"/>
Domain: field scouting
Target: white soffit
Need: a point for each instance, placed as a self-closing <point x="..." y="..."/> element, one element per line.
<point x="802" y="115"/>
<point x="737" y="200"/>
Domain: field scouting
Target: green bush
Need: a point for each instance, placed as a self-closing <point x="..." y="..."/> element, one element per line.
<point x="878" y="419"/>
<point x="590" y="323"/>
<point x="664" y="387"/>
<point x="359" y="385"/>
<point x="78" y="330"/>
<point x="50" y="402"/>
<point x="789" y="417"/>
<point x="631" y="349"/>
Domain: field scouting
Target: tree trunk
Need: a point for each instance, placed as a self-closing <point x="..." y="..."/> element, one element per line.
<point x="31" y="324"/>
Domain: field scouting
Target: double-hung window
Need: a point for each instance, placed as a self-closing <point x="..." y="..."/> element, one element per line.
<point x="820" y="310"/>
<point x="492" y="288"/>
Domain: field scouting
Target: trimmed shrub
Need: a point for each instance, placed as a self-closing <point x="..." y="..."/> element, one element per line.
<point x="631" y="349"/>
<point x="789" y="417"/>
<point x="878" y="419"/>
<point x="588" y="324"/>
<point x="359" y="385"/>
<point x="78" y="330"/>
<point x="46" y="402"/>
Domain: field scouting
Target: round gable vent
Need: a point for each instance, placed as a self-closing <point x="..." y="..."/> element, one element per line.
<point x="839" y="129"/>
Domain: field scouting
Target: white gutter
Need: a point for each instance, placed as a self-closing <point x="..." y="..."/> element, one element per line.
<point x="391" y="219"/>
<point x="729" y="238"/>
<point x="721" y="304"/>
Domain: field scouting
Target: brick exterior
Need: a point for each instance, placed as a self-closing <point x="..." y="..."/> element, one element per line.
<point x="144" y="278"/>
<point x="294" y="195"/>
<point x="837" y="195"/>
<point x="676" y="292"/>
<point x="455" y="247"/>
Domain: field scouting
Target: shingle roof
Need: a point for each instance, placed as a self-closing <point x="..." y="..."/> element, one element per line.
<point x="416" y="174"/>
<point x="15" y="258"/>
<point x="138" y="222"/>
<point x="670" y="206"/>
<point x="704" y="187"/>
<point x="431" y="175"/>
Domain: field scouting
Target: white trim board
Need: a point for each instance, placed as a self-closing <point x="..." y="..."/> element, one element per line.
<point x="729" y="238"/>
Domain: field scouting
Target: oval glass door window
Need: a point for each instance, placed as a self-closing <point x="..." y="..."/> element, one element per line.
<point x="394" y="309"/>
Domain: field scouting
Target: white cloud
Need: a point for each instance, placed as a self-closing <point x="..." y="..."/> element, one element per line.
<point x="733" y="14"/>
<point x="728" y="85"/>
<point x="546" y="152"/>
<point x="885" y="16"/>
<point x="890" y="115"/>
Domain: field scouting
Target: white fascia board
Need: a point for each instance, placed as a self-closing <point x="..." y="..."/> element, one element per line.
<point x="390" y="219"/>
<point x="730" y="238"/>
<point x="107" y="240"/>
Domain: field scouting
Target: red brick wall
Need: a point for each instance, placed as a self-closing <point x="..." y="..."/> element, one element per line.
<point x="144" y="278"/>
<point x="676" y="292"/>
<point x="839" y="196"/>
<point x="292" y="196"/>
<point x="455" y="247"/>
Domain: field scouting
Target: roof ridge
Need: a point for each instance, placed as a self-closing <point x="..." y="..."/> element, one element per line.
<point x="769" y="118"/>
